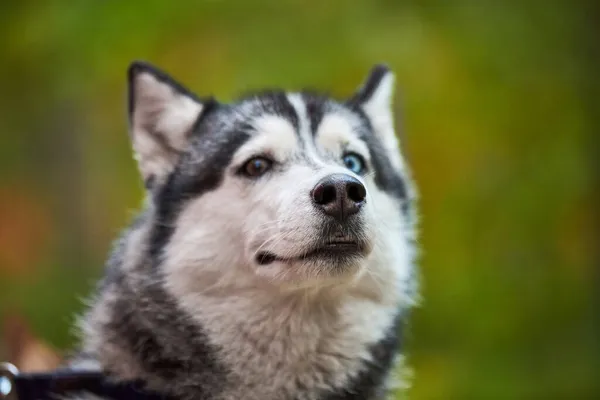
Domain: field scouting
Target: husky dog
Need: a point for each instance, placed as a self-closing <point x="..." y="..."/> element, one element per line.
<point x="273" y="259"/>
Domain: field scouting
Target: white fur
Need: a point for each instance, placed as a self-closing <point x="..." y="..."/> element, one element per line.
<point x="336" y="134"/>
<point x="277" y="139"/>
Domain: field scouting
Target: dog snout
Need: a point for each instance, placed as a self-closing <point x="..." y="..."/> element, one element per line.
<point x="339" y="196"/>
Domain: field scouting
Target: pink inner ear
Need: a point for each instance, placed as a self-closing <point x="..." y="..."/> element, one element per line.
<point x="161" y="120"/>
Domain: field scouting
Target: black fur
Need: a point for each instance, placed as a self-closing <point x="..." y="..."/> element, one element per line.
<point x="316" y="107"/>
<point x="371" y="84"/>
<point x="273" y="102"/>
<point x="386" y="178"/>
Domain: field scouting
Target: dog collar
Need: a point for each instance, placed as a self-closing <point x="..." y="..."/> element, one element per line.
<point x="64" y="383"/>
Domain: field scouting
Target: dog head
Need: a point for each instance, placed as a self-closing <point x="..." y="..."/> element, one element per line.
<point x="285" y="189"/>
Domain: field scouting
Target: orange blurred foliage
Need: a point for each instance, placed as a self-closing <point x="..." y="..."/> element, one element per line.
<point x="24" y="232"/>
<point x="26" y="351"/>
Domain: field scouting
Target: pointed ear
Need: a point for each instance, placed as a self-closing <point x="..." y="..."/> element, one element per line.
<point x="162" y="114"/>
<point x="375" y="98"/>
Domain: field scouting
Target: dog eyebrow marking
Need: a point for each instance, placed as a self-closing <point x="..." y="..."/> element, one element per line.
<point x="268" y="102"/>
<point x="316" y="107"/>
<point x="337" y="133"/>
<point x="304" y="133"/>
<point x="273" y="134"/>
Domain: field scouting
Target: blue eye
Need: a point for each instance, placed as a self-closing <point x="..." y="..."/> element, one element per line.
<point x="354" y="163"/>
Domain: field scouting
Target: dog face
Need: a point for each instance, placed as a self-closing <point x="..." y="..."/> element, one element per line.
<point x="291" y="190"/>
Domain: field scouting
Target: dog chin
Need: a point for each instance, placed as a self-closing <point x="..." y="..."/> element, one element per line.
<point x="308" y="274"/>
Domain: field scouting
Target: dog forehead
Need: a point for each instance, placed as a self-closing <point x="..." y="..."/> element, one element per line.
<point x="286" y="121"/>
<point x="275" y="131"/>
<point x="340" y="128"/>
<point x="272" y="103"/>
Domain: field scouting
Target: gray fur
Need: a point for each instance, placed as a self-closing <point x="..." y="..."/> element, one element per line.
<point x="185" y="307"/>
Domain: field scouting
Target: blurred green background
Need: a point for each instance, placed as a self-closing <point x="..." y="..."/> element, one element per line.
<point x="498" y="109"/>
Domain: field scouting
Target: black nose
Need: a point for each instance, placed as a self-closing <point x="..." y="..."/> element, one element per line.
<point x="339" y="195"/>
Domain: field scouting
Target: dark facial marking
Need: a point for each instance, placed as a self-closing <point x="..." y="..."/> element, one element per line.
<point x="209" y="106"/>
<point x="273" y="102"/>
<point x="386" y="178"/>
<point x="191" y="180"/>
<point x="316" y="106"/>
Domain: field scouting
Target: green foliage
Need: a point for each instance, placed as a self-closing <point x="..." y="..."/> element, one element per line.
<point x="496" y="103"/>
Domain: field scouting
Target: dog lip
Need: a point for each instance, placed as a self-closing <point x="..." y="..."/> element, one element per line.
<point x="265" y="258"/>
<point x="335" y="243"/>
<point x="330" y="248"/>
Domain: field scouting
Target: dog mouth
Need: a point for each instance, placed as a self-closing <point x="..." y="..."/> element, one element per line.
<point x="336" y="250"/>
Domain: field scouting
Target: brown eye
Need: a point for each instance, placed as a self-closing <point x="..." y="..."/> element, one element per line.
<point x="256" y="167"/>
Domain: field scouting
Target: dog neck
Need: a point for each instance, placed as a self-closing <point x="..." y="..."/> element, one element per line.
<point x="252" y="342"/>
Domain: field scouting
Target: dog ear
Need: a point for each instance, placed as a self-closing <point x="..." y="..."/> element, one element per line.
<point x="375" y="98"/>
<point x="162" y="114"/>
